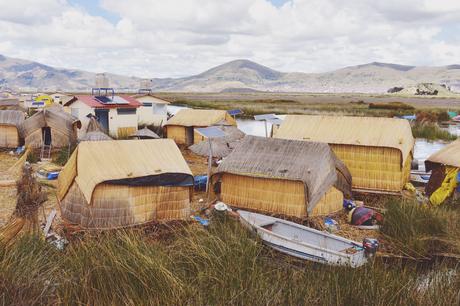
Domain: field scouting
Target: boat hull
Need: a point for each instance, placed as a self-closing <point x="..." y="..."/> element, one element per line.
<point x="303" y="242"/>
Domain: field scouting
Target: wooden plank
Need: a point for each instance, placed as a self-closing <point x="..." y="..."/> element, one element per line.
<point x="49" y="222"/>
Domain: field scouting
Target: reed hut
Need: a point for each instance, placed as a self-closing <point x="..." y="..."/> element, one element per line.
<point x="445" y="168"/>
<point x="181" y="127"/>
<point x="145" y="133"/>
<point x="51" y="126"/>
<point x="10" y="128"/>
<point x="278" y="176"/>
<point x="114" y="184"/>
<point x="377" y="151"/>
<point x="94" y="131"/>
<point x="222" y="146"/>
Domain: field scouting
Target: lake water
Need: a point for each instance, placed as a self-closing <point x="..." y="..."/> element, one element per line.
<point x="422" y="149"/>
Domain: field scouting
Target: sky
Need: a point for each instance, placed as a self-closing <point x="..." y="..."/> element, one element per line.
<point x="173" y="38"/>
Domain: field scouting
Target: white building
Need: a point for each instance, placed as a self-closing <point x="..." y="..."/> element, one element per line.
<point x="116" y="114"/>
<point x="153" y="110"/>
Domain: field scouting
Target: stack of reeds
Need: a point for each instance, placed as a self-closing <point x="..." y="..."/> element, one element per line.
<point x="25" y="217"/>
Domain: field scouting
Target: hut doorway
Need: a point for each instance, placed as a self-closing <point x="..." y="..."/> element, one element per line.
<point x="189" y="136"/>
<point x="46" y="135"/>
<point x="103" y="118"/>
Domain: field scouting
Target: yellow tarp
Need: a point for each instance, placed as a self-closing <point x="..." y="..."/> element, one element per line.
<point x="447" y="187"/>
<point x="95" y="162"/>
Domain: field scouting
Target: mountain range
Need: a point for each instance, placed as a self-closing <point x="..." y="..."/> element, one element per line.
<point x="235" y="76"/>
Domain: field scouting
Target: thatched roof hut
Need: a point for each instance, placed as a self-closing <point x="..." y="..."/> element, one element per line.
<point x="221" y="146"/>
<point x="145" y="133"/>
<point x="94" y="132"/>
<point x="10" y="104"/>
<point x="10" y="128"/>
<point x="51" y="126"/>
<point x="112" y="184"/>
<point x="289" y="177"/>
<point x="448" y="156"/>
<point x="440" y="164"/>
<point x="378" y="151"/>
<point x="181" y="126"/>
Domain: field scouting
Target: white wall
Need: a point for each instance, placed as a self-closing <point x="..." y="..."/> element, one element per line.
<point x="81" y="110"/>
<point x="155" y="114"/>
<point x="120" y="121"/>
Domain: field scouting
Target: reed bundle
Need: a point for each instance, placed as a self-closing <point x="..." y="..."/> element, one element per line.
<point x="25" y="217"/>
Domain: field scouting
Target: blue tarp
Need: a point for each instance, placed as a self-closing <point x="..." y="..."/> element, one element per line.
<point x="409" y="117"/>
<point x="200" y="182"/>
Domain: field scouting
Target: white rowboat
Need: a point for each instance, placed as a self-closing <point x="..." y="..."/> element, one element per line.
<point x="304" y="242"/>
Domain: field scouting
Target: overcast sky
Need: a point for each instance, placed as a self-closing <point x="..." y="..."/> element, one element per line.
<point x="170" y="38"/>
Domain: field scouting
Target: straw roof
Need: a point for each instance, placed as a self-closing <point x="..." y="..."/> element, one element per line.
<point x="54" y="117"/>
<point x="200" y="117"/>
<point x="221" y="146"/>
<point x="93" y="163"/>
<point x="96" y="136"/>
<point x="9" y="103"/>
<point x="94" y="131"/>
<point x="449" y="155"/>
<point x="348" y="130"/>
<point x="312" y="163"/>
<point x="145" y="133"/>
<point x="11" y="117"/>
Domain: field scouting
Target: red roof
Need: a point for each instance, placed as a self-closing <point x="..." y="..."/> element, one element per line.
<point x="92" y="102"/>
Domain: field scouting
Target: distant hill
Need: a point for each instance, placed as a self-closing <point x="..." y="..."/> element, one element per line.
<point x="237" y="76"/>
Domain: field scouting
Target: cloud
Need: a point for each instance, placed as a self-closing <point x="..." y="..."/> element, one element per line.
<point x="183" y="37"/>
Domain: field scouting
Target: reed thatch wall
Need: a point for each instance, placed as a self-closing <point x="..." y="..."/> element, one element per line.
<point x="115" y="206"/>
<point x="287" y="165"/>
<point x="275" y="196"/>
<point x="110" y="184"/>
<point x="10" y="128"/>
<point x="9" y="136"/>
<point x="63" y="128"/>
<point x="377" y="151"/>
<point x="374" y="168"/>
<point x="125" y="132"/>
<point x="176" y="133"/>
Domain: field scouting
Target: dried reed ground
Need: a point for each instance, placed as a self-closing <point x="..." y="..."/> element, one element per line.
<point x="226" y="265"/>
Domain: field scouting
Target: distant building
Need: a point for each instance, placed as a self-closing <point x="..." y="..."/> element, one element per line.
<point x="117" y="114"/>
<point x="60" y="98"/>
<point x="182" y="126"/>
<point x="153" y="110"/>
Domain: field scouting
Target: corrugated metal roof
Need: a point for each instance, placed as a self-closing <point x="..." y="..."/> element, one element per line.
<point x="94" y="103"/>
<point x="200" y="117"/>
<point x="93" y="163"/>
<point x="361" y="131"/>
<point x="312" y="163"/>
<point x="449" y="155"/>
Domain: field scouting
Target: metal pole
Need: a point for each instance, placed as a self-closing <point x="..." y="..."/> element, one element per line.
<point x="266" y="129"/>
<point x="208" y="183"/>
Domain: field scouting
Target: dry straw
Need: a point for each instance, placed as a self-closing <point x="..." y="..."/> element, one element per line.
<point x="289" y="177"/>
<point x="378" y="151"/>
